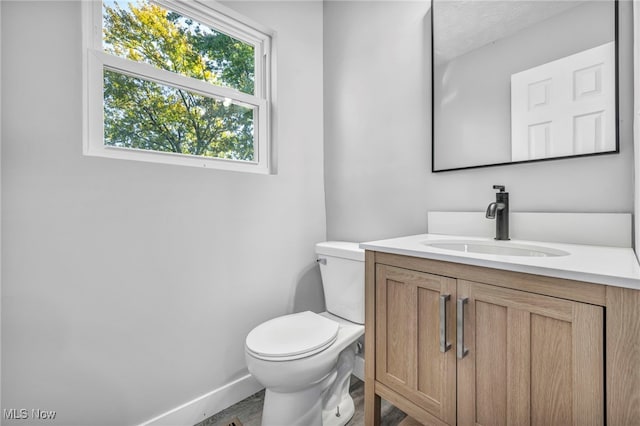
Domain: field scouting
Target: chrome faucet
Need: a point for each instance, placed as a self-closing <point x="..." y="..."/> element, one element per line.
<point x="499" y="210"/>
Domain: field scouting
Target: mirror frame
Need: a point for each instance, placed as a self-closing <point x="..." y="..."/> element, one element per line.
<point x="617" y="104"/>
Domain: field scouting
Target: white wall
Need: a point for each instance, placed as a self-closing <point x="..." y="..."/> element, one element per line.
<point x="128" y="288"/>
<point x="378" y="136"/>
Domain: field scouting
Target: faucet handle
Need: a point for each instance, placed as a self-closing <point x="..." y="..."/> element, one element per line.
<point x="500" y="187"/>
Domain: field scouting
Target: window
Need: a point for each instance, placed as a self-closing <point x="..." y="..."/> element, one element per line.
<point x="176" y="82"/>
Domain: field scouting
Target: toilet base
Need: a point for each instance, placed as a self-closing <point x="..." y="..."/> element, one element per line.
<point x="345" y="409"/>
<point x="292" y="409"/>
<point x="295" y="396"/>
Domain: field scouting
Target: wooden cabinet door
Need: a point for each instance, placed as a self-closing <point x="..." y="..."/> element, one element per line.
<point x="532" y="359"/>
<point x="408" y="324"/>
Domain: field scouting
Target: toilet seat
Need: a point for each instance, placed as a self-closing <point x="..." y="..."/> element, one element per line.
<point x="291" y="337"/>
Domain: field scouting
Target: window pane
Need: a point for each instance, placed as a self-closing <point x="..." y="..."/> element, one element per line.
<point x="144" y="32"/>
<point x="146" y="115"/>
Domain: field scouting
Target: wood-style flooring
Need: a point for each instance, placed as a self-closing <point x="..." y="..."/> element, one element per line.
<point x="249" y="411"/>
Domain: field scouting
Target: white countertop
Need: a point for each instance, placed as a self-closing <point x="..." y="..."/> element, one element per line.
<point x="613" y="266"/>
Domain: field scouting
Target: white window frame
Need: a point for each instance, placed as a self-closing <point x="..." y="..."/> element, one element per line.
<point x="217" y="17"/>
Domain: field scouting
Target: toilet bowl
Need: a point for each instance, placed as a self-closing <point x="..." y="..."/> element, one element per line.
<point x="305" y="360"/>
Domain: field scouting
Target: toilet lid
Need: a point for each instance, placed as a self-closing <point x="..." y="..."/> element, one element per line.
<point x="294" y="335"/>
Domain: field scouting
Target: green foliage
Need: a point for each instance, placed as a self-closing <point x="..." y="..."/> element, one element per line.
<point x="231" y="59"/>
<point x="146" y="115"/>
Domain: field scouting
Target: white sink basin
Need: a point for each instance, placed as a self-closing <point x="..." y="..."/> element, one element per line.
<point x="502" y="248"/>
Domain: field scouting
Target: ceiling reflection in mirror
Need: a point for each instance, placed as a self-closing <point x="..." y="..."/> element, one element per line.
<point x="522" y="80"/>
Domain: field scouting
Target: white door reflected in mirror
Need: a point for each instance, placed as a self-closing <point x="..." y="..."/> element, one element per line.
<point x="565" y="107"/>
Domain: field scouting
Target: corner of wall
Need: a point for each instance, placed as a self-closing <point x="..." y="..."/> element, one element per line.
<point x="1" y="26"/>
<point x="636" y="123"/>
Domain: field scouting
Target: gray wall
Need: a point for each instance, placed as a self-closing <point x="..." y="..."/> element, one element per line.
<point x="377" y="114"/>
<point x="636" y="108"/>
<point x="128" y="288"/>
<point x="377" y="134"/>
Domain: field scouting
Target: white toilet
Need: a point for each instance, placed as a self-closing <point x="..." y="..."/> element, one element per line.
<point x="305" y="360"/>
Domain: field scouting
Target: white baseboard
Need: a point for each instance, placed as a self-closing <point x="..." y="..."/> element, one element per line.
<point x="198" y="409"/>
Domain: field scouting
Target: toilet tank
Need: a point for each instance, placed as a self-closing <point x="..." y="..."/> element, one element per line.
<point x="342" y="270"/>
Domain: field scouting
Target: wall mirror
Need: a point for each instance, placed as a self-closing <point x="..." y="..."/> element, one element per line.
<point x="521" y="81"/>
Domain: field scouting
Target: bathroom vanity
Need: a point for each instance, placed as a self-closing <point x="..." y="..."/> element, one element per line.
<point x="480" y="337"/>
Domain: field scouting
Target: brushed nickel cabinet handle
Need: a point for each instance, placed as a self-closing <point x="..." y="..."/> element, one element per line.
<point x="461" y="350"/>
<point x="444" y="346"/>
